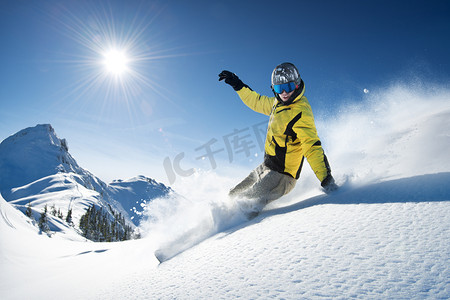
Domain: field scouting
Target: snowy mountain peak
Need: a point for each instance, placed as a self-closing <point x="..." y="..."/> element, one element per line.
<point x="37" y="173"/>
<point x="31" y="154"/>
<point x="44" y="133"/>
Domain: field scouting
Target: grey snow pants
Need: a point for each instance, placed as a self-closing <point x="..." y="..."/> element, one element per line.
<point x="264" y="185"/>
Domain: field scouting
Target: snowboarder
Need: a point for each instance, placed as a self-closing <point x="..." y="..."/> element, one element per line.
<point x="291" y="136"/>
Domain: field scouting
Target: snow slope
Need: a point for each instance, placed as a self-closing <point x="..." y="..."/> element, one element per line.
<point x="383" y="235"/>
<point x="382" y="241"/>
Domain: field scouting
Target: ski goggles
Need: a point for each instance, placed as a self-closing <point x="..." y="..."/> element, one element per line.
<point x="287" y="87"/>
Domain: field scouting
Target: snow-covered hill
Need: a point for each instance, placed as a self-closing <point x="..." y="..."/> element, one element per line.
<point x="37" y="170"/>
<point x="383" y="235"/>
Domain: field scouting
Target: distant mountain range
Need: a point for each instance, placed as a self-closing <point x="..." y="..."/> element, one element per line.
<point x="38" y="172"/>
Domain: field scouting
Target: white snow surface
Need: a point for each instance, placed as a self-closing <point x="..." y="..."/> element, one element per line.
<point x="384" y="235"/>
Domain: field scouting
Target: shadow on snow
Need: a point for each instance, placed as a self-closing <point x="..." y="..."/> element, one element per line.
<point x="423" y="188"/>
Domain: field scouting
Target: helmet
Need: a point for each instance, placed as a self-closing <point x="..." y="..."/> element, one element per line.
<point x="284" y="73"/>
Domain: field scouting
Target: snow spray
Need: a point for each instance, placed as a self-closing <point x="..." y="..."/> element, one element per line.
<point x="198" y="209"/>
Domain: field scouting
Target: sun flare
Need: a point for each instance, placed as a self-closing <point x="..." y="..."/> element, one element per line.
<point x="115" y="62"/>
<point x="116" y="55"/>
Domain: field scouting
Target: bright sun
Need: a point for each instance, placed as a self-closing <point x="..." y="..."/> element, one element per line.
<point x="116" y="62"/>
<point x="115" y="53"/>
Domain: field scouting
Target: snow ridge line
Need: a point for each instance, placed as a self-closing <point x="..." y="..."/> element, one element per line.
<point x="5" y="217"/>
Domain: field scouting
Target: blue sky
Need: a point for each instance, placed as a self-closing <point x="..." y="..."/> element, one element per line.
<point x="169" y="106"/>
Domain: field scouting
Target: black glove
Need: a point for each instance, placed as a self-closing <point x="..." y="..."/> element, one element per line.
<point x="231" y="79"/>
<point x="329" y="185"/>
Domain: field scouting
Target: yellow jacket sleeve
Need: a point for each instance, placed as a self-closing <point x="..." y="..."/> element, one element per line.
<point x="311" y="145"/>
<point x="255" y="101"/>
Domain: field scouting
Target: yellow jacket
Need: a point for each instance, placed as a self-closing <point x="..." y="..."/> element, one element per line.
<point x="291" y="134"/>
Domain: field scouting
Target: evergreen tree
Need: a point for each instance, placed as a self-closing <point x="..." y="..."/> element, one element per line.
<point x="84" y="223"/>
<point x="60" y="214"/>
<point x="29" y="212"/>
<point x="54" y="212"/>
<point x="69" y="217"/>
<point x="43" y="221"/>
